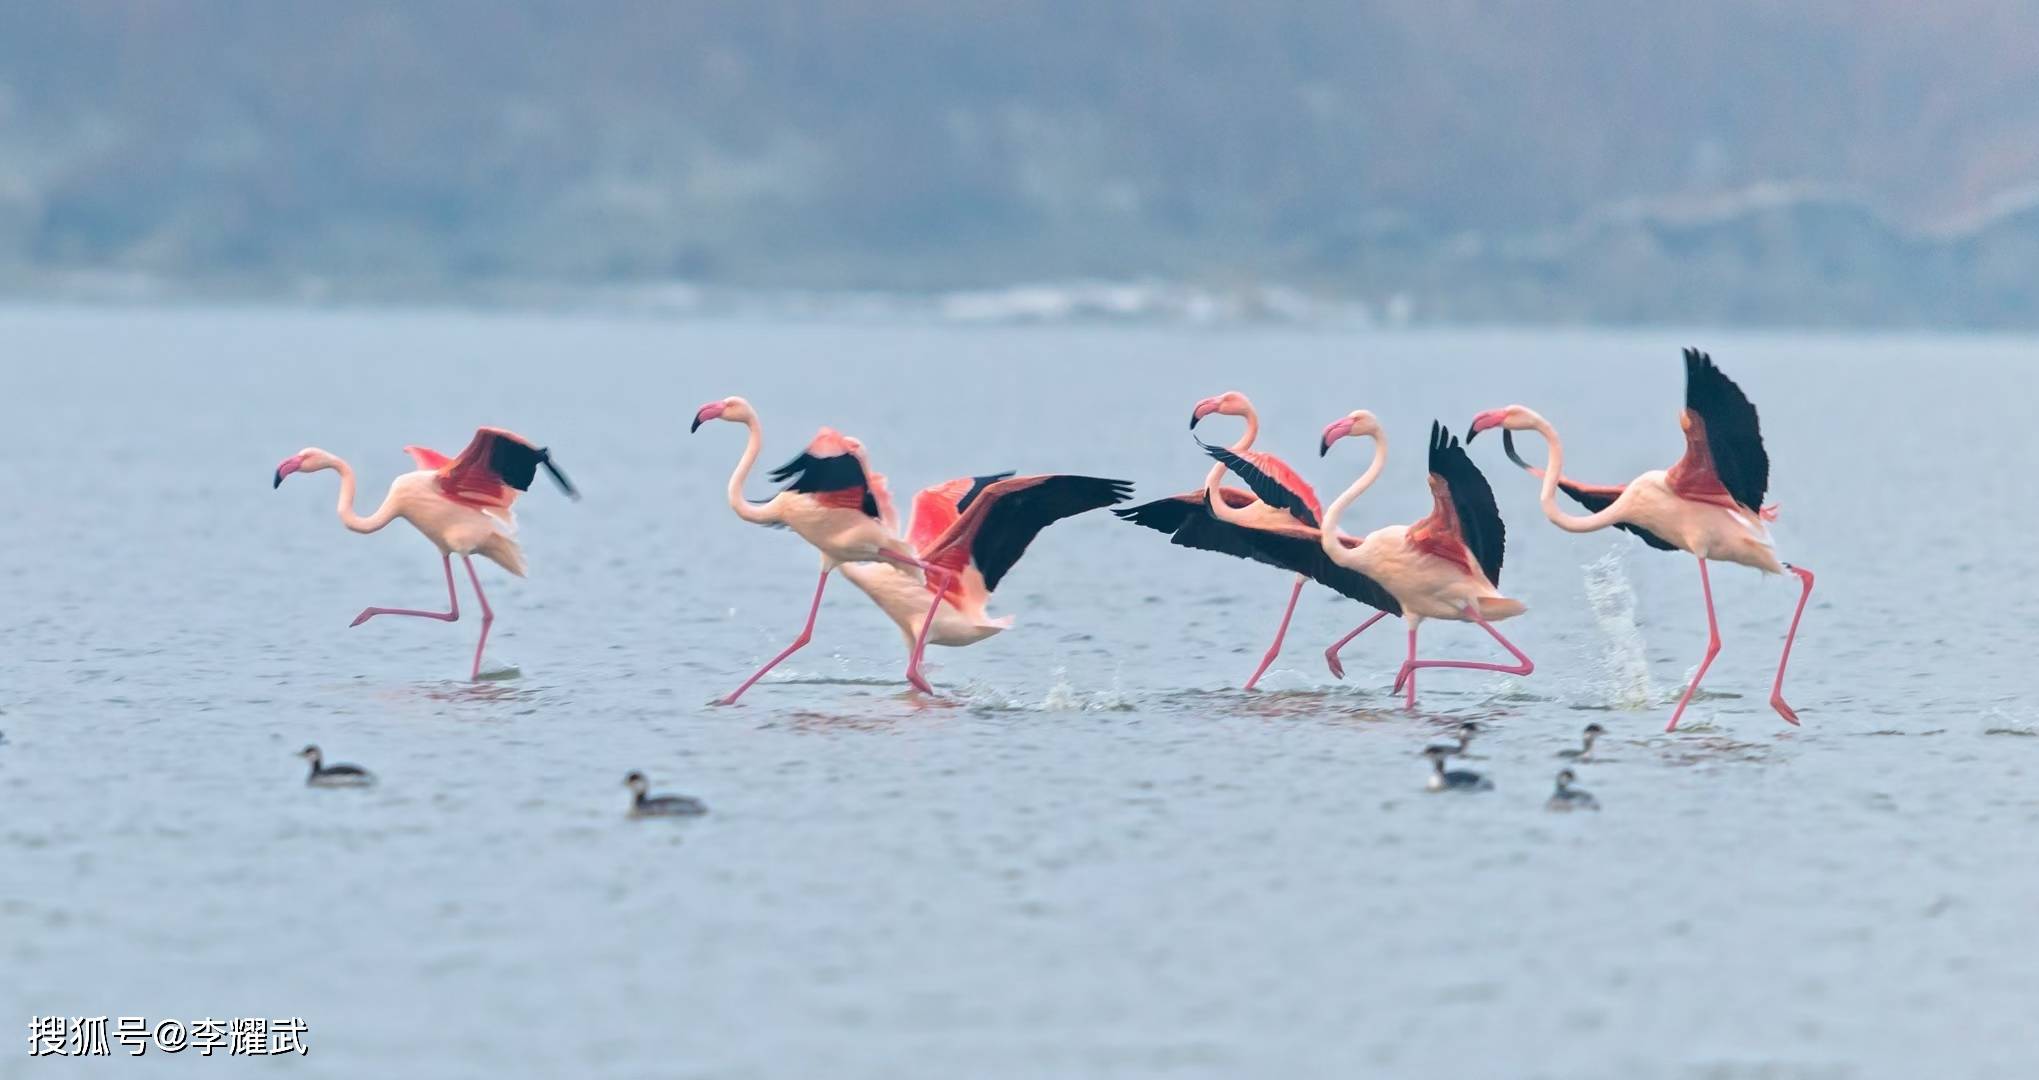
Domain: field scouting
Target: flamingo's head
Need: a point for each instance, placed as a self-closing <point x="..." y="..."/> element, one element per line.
<point x="1356" y="424"/>
<point x="311" y="754"/>
<point x="1594" y="731"/>
<point x="733" y="409"/>
<point x="1513" y="418"/>
<point x="637" y="783"/>
<point x="1229" y="403"/>
<point x="309" y="459"/>
<point x="1565" y="778"/>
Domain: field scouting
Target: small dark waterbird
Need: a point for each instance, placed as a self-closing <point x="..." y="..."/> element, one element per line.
<point x="1443" y="779"/>
<point x="324" y="775"/>
<point x="647" y="805"/>
<point x="1567" y="798"/>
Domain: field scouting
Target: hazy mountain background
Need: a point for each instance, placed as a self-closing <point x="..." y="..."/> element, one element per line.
<point x="1870" y="162"/>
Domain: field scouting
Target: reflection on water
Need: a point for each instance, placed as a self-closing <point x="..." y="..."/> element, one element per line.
<point x="1093" y="854"/>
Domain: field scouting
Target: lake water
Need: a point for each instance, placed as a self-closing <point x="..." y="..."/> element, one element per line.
<point x="1092" y="855"/>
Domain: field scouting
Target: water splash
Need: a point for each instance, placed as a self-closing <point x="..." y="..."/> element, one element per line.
<point x="1625" y="665"/>
<point x="1063" y="697"/>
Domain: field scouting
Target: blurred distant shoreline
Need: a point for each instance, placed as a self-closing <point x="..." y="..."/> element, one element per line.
<point x="1772" y="258"/>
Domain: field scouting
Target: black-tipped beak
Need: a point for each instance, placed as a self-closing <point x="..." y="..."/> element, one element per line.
<point x="279" y="480"/>
<point x="697" y="424"/>
<point x="1472" y="432"/>
<point x="1323" y="447"/>
<point x="1194" y="420"/>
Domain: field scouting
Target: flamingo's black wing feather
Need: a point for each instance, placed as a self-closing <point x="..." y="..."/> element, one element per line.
<point x="1016" y="511"/>
<point x="810" y="475"/>
<point x="1734" y="437"/>
<point x="1265" y="488"/>
<point x="1472" y="501"/>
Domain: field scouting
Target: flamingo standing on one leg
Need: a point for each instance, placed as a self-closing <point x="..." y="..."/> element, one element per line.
<point x="461" y="504"/>
<point x="1187" y="524"/>
<point x="1445" y="566"/>
<point x="1709" y="504"/>
<point x="832" y="500"/>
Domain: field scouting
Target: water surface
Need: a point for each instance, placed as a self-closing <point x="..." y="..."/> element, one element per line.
<point x="1092" y="855"/>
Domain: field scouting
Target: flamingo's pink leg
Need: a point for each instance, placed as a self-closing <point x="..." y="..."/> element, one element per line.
<point x="1712" y="648"/>
<point x="1408" y="672"/>
<point x="1280" y="632"/>
<point x="1331" y="654"/>
<point x="939" y="579"/>
<point x="1777" y="688"/>
<point x="452" y="600"/>
<point x="806" y="635"/>
<point x="1522" y="666"/>
<point x="488" y="617"/>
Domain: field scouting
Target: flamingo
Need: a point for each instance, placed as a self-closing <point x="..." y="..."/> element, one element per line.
<point x="1708" y="505"/>
<point x="1279" y="528"/>
<point x="461" y="504"/>
<point x="966" y="534"/>
<point x="1445" y="566"/>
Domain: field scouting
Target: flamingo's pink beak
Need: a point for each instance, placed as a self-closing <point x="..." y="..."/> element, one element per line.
<point x="1203" y="408"/>
<point x="710" y="411"/>
<point x="1492" y="418"/>
<point x="290" y="465"/>
<point x="1334" y="431"/>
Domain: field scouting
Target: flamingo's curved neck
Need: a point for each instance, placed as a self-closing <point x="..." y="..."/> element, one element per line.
<point x="1552" y="469"/>
<point x="383" y="515"/>
<point x="1218" y="505"/>
<point x="745" y="509"/>
<point x="1336" y="510"/>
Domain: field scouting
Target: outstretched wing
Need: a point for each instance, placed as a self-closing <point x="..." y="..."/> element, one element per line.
<point x="1002" y="517"/>
<point x="1296" y="549"/>
<point x="1474" y="516"/>
<point x="1169" y="514"/>
<point x="496" y="467"/>
<point x="1594" y="497"/>
<point x="936" y="508"/>
<point x="832" y="473"/>
<point x="1733" y="437"/>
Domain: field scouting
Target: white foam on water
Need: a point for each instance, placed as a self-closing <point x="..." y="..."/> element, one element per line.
<point x="1064" y="697"/>
<point x="1624" y="665"/>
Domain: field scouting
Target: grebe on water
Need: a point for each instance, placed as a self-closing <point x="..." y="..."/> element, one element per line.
<point x="1442" y="779"/>
<point x="642" y="805"/>
<point x="1593" y="731"/>
<point x="1466" y="731"/>
<point x="1568" y="798"/>
<point x="324" y="775"/>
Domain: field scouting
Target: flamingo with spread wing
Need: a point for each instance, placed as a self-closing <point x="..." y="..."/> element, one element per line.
<point x="966" y="534"/>
<point x="462" y="504"/>
<point x="1275" y="524"/>
<point x="1446" y="566"/>
<point x="1709" y="504"/>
